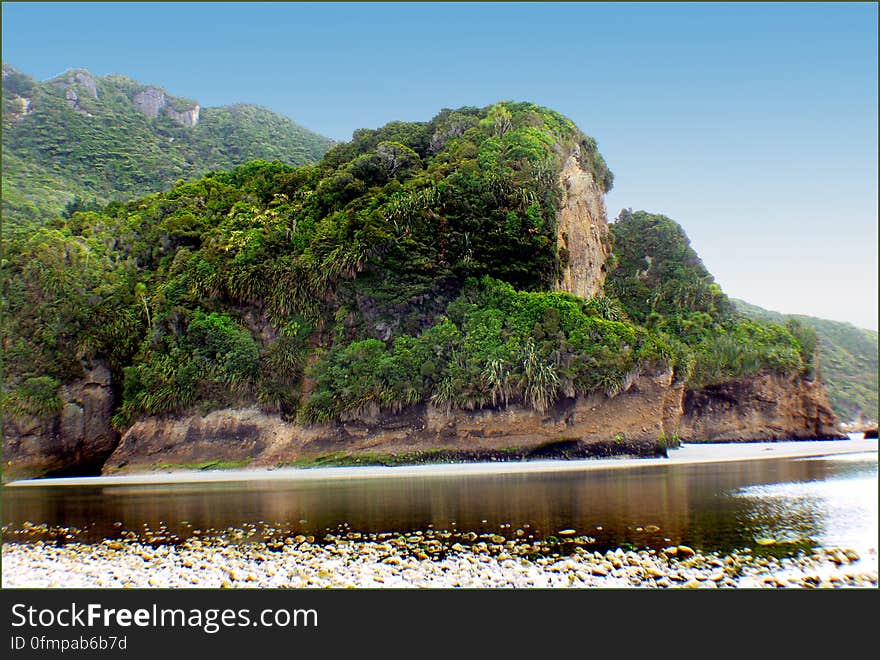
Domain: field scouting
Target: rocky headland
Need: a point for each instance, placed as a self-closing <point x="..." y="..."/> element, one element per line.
<point x="587" y="375"/>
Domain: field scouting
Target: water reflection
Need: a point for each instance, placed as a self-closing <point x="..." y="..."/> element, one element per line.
<point x="718" y="506"/>
<point x="839" y="510"/>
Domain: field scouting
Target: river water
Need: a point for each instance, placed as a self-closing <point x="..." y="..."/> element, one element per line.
<point x="775" y="505"/>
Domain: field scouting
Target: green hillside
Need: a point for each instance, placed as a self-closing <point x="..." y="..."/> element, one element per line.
<point x="78" y="141"/>
<point x="847" y="360"/>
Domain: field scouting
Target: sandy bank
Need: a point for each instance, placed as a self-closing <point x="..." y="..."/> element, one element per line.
<point x="685" y="455"/>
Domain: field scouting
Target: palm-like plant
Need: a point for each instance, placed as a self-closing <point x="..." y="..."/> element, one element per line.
<point x="497" y="377"/>
<point x="539" y="381"/>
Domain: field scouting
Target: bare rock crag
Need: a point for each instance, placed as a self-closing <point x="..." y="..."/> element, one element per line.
<point x="651" y="415"/>
<point x="582" y="230"/>
<point x="77" y="439"/>
<point x="153" y="100"/>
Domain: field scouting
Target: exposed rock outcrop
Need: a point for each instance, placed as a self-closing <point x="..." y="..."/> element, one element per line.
<point x="153" y="100"/>
<point x="636" y="421"/>
<point x="150" y="101"/>
<point x="25" y="107"/>
<point x="767" y="407"/>
<point x="188" y="118"/>
<point x="83" y="79"/>
<point x="582" y="230"/>
<point x="74" y="83"/>
<point x="78" y="439"/>
<point x="651" y="414"/>
<point x="72" y="99"/>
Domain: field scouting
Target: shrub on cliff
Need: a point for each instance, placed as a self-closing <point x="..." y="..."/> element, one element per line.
<point x="37" y="396"/>
<point x="496" y="346"/>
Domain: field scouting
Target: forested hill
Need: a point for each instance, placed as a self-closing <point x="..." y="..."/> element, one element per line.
<point x="79" y="141"/>
<point x="847" y="360"/>
<point x="419" y="263"/>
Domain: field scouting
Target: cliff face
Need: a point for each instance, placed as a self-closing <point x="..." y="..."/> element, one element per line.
<point x="188" y="118"/>
<point x="636" y="421"/>
<point x="582" y="231"/>
<point x="768" y="407"/>
<point x="79" y="438"/>
<point x="152" y="100"/>
<point x="82" y="79"/>
<point x="651" y="415"/>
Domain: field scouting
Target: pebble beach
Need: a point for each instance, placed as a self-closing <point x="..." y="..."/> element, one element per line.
<point x="418" y="560"/>
<point x="263" y="555"/>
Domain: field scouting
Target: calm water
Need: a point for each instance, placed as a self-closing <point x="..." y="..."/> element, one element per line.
<point x="801" y="503"/>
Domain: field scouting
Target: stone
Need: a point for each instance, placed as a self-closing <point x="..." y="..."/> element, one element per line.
<point x="764" y="407"/>
<point x="150" y="101"/>
<point x="187" y="118"/>
<point x="80" y="436"/>
<point x="582" y="230"/>
<point x="654" y="572"/>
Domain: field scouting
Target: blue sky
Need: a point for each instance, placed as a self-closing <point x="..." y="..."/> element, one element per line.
<point x="752" y="125"/>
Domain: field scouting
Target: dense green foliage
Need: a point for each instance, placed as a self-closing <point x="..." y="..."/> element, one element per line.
<point x="63" y="154"/>
<point x="658" y="277"/>
<point x="847" y="359"/>
<point x="496" y="346"/>
<point x="411" y="265"/>
<point x="664" y="285"/>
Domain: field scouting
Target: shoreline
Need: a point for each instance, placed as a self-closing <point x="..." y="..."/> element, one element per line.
<point x="687" y="454"/>
<point x="418" y="560"/>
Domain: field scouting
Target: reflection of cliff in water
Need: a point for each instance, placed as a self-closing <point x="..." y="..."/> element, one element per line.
<point x="692" y="504"/>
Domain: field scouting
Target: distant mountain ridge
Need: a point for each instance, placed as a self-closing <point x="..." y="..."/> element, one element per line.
<point x="847" y="360"/>
<point x="82" y="139"/>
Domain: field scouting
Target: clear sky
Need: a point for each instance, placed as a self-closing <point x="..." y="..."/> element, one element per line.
<point x="752" y="125"/>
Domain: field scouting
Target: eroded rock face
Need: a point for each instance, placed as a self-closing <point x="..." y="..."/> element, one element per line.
<point x="75" y="83"/>
<point x="78" y="439"/>
<point x="25" y="107"/>
<point x="582" y="231"/>
<point x="227" y="435"/>
<point x="85" y="80"/>
<point x="768" y="407"/>
<point x="636" y="421"/>
<point x="645" y="419"/>
<point x="188" y="118"/>
<point x="150" y="101"/>
<point x="153" y="100"/>
<point x="72" y="99"/>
